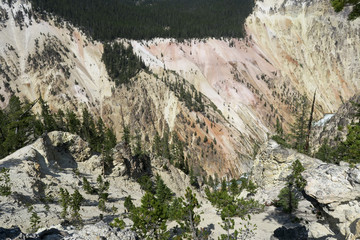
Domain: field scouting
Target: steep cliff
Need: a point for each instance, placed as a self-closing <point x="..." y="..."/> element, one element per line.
<point x="293" y="48"/>
<point x="55" y="60"/>
<point x="315" y="48"/>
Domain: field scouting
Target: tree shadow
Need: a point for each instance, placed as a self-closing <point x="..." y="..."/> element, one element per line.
<point x="279" y="216"/>
<point x="203" y="232"/>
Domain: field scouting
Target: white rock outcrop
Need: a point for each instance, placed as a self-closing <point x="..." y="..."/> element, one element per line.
<point x="337" y="190"/>
<point x="272" y="166"/>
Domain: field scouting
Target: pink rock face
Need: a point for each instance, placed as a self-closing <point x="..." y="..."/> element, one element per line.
<point x="211" y="66"/>
<point x="226" y="71"/>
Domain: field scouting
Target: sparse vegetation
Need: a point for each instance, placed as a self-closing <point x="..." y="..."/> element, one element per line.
<point x="5" y="187"/>
<point x="229" y="205"/>
<point x="73" y="202"/>
<point x="290" y="194"/>
<point x="339" y="5"/>
<point x="19" y="127"/>
<point x="102" y="188"/>
<point x="118" y="223"/>
<point x="348" y="150"/>
<point x="34" y="220"/>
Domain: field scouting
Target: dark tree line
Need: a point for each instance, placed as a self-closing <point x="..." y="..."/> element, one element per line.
<point x="121" y="62"/>
<point x="110" y="19"/>
<point x="19" y="126"/>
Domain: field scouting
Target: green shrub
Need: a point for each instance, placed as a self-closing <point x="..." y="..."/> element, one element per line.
<point x="5" y="187"/>
<point x="118" y="223"/>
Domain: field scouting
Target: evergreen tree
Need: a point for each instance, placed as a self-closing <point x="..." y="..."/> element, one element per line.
<point x="165" y="150"/>
<point x="60" y="120"/>
<point x="88" y="130"/>
<point x="288" y="197"/>
<point x="126" y="135"/>
<point x="5" y="187"/>
<point x="75" y="205"/>
<point x="34" y="221"/>
<point x="157" y="145"/>
<point x="234" y="187"/>
<point x="64" y="202"/>
<point x="87" y="187"/>
<point x="325" y="152"/>
<point x="299" y="128"/>
<point x="163" y="193"/>
<point x="177" y="153"/>
<point x="18" y="126"/>
<point x="146" y="184"/>
<point x="188" y="219"/>
<point x="102" y="188"/>
<point x="138" y="148"/>
<point x="72" y="122"/>
<point x="128" y="204"/>
<point x="49" y="122"/>
<point x="349" y="150"/>
<point x="150" y="218"/>
<point x="339" y="5"/>
<point x="140" y="20"/>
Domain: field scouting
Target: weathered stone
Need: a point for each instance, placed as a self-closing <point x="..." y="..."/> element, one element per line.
<point x="354" y="230"/>
<point x="337" y="189"/>
<point x="273" y="165"/>
<point x="78" y="148"/>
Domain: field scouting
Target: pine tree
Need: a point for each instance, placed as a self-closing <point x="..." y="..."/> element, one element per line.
<point x="234" y="187"/>
<point x="5" y="187"/>
<point x="157" y="145"/>
<point x="34" y="221"/>
<point x="299" y="128"/>
<point x="128" y="204"/>
<point x="72" y="122"/>
<point x="150" y="218"/>
<point x="64" y="202"/>
<point x="138" y="148"/>
<point x="192" y="220"/>
<point x="163" y="193"/>
<point x="88" y="131"/>
<point x="339" y="5"/>
<point x="288" y="198"/>
<point x="49" y="122"/>
<point x="87" y="187"/>
<point x="75" y="205"/>
<point x="325" y="152"/>
<point x="102" y="188"/>
<point x="126" y="135"/>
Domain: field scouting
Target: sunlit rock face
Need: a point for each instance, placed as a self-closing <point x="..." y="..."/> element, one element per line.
<point x="292" y="49"/>
<point x="314" y="47"/>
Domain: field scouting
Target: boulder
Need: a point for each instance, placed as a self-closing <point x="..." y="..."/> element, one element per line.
<point x="336" y="189"/>
<point x="74" y="144"/>
<point x="273" y="165"/>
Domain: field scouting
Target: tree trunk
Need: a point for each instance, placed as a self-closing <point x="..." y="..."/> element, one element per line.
<point x="307" y="146"/>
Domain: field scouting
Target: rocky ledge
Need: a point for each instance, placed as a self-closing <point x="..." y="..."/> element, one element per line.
<point x="99" y="230"/>
<point x="336" y="189"/>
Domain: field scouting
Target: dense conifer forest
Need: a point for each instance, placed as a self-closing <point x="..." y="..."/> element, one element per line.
<point x="109" y="19"/>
